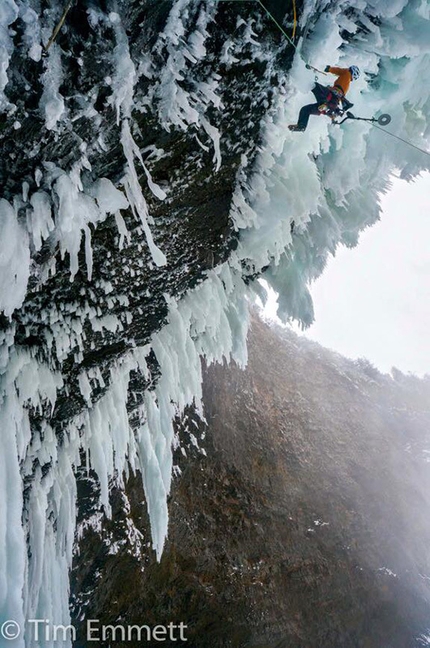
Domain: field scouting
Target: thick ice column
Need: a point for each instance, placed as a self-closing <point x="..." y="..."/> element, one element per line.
<point x="13" y="549"/>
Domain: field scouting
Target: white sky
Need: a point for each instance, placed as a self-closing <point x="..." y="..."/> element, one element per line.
<point x="374" y="301"/>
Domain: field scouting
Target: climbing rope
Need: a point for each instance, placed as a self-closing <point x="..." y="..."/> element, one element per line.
<point x="294" y="19"/>
<point x="274" y="19"/>
<point x="277" y="24"/>
<point x="382" y="120"/>
<point x="311" y="67"/>
<point x="402" y="140"/>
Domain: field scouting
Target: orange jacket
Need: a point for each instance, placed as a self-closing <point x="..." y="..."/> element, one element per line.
<point x="343" y="80"/>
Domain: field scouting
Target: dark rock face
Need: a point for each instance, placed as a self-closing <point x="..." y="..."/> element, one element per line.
<point x="191" y="226"/>
<point x="304" y="525"/>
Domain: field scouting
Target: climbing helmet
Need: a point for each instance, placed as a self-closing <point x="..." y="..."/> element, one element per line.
<point x="355" y="72"/>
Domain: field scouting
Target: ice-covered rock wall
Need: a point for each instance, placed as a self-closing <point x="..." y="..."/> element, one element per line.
<point x="143" y="124"/>
<point x="328" y="179"/>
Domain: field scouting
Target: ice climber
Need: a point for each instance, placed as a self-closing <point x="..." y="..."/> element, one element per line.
<point x="331" y="100"/>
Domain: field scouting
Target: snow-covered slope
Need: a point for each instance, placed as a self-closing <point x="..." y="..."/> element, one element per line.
<point x="82" y="195"/>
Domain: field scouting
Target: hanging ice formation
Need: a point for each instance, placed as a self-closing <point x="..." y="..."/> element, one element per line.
<point x="326" y="181"/>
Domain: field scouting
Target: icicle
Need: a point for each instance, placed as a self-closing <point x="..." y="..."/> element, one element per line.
<point x="32" y="33"/>
<point x="51" y="102"/>
<point x="13" y="549"/>
<point x="134" y="191"/>
<point x="39" y="220"/>
<point x="8" y="15"/>
<point x="122" y="229"/>
<point x="215" y="136"/>
<point x="176" y="106"/>
<point x="14" y="260"/>
<point x="77" y="209"/>
<point x="309" y="180"/>
<point x="122" y="97"/>
<point x="125" y="72"/>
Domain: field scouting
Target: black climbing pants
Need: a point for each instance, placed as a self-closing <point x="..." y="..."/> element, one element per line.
<point x="305" y="113"/>
<point x="322" y="94"/>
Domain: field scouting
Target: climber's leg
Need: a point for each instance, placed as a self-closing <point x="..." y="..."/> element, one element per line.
<point x="305" y="113"/>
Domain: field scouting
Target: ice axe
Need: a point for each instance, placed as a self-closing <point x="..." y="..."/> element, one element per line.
<point x="311" y="67"/>
<point x="382" y="120"/>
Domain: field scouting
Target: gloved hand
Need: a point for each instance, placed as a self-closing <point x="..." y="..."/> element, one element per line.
<point x="327" y="68"/>
<point x="322" y="107"/>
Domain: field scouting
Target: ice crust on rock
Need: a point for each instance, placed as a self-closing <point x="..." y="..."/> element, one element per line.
<point x="183" y="39"/>
<point x="51" y="102"/>
<point x="14" y="259"/>
<point x="8" y="14"/>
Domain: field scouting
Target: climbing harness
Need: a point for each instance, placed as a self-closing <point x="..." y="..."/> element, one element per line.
<point x="382" y="120"/>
